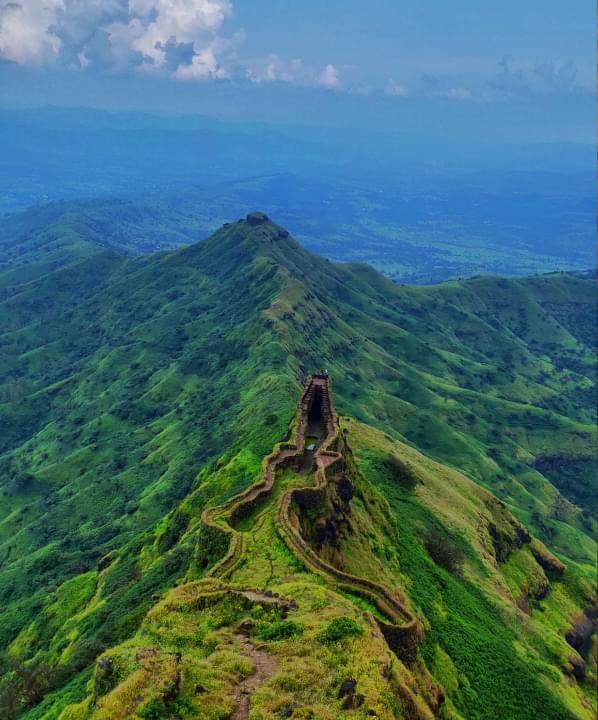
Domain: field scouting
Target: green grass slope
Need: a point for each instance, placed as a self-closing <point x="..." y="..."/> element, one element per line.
<point x="133" y="391"/>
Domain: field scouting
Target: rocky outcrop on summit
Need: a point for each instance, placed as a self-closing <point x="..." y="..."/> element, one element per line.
<point x="257" y="218"/>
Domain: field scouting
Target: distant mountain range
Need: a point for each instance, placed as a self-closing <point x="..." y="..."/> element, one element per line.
<point x="405" y="230"/>
<point x="417" y="209"/>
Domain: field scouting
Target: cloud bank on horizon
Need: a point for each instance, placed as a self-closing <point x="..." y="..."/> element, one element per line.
<point x="177" y="36"/>
<point x="180" y="38"/>
<point x="197" y="40"/>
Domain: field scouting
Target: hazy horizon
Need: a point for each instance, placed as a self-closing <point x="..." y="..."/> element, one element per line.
<point x="525" y="75"/>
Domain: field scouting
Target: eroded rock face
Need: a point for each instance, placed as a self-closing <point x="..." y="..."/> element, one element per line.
<point x="506" y="540"/>
<point x="542" y="590"/>
<point x="257" y="218"/>
<point x="551" y="565"/>
<point x="345" y="489"/>
<point x="347" y="687"/>
<point x="575" y="666"/>
<point x="326" y="532"/>
<point x="353" y="701"/>
<point x="580" y="635"/>
<point x="246" y="626"/>
<point x="171" y="689"/>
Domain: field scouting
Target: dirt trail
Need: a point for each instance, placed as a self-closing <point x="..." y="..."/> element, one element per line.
<point x="264" y="667"/>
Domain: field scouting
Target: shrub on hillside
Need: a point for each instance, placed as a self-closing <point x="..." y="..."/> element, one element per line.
<point x="400" y="472"/>
<point x="155" y="709"/>
<point x="340" y="628"/>
<point x="177" y="525"/>
<point x="444" y="552"/>
<point x="21" y="685"/>
<point x="280" y="630"/>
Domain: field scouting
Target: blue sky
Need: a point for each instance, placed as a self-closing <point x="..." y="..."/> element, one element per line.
<point x="524" y="70"/>
<point x="461" y="39"/>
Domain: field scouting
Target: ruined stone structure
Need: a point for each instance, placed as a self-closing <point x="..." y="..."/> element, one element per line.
<point x="316" y="422"/>
<point x="401" y="629"/>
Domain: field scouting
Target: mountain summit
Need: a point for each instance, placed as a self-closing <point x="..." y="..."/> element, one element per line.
<point x="236" y="244"/>
<point x="257" y="218"/>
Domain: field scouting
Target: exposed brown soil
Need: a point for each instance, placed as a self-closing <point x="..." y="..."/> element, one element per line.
<point x="264" y="667"/>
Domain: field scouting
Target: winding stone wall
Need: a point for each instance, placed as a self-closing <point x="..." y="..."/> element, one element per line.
<point x="219" y="517"/>
<point x="401" y="629"/>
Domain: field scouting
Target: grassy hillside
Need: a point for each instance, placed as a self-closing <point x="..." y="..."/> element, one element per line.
<point x="134" y="391"/>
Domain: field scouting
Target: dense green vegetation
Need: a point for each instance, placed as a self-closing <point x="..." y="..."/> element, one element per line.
<point x="338" y="629"/>
<point x="134" y="390"/>
<point x="485" y="659"/>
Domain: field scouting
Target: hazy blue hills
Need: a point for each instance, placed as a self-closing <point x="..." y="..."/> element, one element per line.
<point x="344" y="222"/>
<point x="419" y="210"/>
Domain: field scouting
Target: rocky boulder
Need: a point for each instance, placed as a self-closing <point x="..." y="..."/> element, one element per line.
<point x="257" y="218"/>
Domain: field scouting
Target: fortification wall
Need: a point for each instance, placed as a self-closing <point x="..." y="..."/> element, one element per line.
<point x="218" y="518"/>
<point x="401" y="630"/>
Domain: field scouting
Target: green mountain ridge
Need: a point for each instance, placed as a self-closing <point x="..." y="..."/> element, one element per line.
<point x="135" y="391"/>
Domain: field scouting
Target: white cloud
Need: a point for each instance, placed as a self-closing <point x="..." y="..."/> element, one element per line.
<point x="455" y="93"/>
<point x="155" y="22"/>
<point x="25" y="35"/>
<point x="329" y="77"/>
<point x="543" y="78"/>
<point x="395" y="89"/>
<point x="295" y="72"/>
<point x="178" y="36"/>
<point x="203" y="65"/>
<point x="277" y="69"/>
